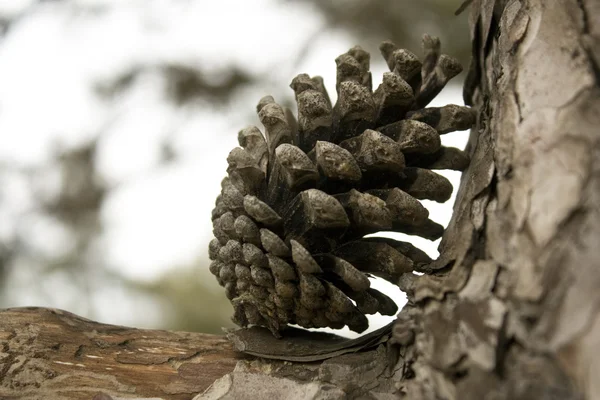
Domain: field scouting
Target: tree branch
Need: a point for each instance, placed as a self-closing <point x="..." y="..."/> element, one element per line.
<point x="53" y="354"/>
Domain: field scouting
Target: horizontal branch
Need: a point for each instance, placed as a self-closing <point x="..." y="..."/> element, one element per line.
<point x="53" y="354"/>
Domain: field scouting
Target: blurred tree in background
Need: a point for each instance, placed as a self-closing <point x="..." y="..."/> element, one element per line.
<point x="402" y="21"/>
<point x="52" y="236"/>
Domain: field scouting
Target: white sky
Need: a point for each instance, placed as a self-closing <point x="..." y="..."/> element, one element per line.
<point x="156" y="217"/>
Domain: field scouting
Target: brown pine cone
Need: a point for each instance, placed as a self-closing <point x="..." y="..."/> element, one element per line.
<point x="291" y="218"/>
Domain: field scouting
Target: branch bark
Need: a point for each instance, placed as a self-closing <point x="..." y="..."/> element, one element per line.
<point x="49" y="353"/>
<point x="53" y="354"/>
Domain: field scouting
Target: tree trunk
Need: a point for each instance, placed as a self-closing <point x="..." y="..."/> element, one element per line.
<point x="512" y="309"/>
<point x="513" y="313"/>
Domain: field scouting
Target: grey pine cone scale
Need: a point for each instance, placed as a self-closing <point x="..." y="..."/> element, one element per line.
<point x="291" y="219"/>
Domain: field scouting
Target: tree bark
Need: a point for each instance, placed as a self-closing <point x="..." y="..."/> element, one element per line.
<point x="53" y="354"/>
<point x="514" y="311"/>
<point x="511" y="309"/>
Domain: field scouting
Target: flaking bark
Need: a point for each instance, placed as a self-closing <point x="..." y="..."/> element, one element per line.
<point x="513" y="311"/>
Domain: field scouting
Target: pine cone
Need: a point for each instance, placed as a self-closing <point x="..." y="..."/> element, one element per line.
<point x="290" y="221"/>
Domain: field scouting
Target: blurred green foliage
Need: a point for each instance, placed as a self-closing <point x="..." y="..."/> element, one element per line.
<point x="192" y="302"/>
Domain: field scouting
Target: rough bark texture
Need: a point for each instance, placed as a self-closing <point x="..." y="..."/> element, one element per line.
<point x="509" y="311"/>
<point x="513" y="313"/>
<point x="53" y="354"/>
